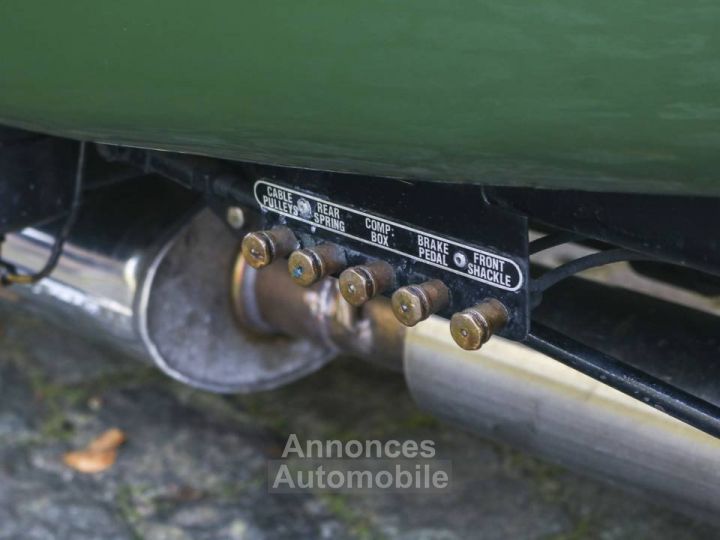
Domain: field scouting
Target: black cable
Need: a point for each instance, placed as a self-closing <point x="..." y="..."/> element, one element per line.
<point x="551" y="277"/>
<point x="551" y="240"/>
<point x="11" y="277"/>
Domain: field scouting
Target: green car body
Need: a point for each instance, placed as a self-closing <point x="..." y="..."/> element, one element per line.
<point x="621" y="96"/>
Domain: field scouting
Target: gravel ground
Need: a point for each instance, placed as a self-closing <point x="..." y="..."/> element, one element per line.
<point x="194" y="464"/>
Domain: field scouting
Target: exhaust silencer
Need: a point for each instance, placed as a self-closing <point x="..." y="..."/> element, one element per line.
<point x="149" y="271"/>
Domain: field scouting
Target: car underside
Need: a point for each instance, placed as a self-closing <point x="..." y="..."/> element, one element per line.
<point x="572" y="322"/>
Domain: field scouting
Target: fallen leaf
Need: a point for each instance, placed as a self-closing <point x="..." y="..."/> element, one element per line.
<point x="99" y="455"/>
<point x="109" y="440"/>
<point x="89" y="462"/>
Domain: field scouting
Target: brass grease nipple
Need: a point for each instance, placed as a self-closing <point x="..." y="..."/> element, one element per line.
<point x="362" y="283"/>
<point x="310" y="265"/>
<point x="471" y="328"/>
<point x="260" y="248"/>
<point x="415" y="303"/>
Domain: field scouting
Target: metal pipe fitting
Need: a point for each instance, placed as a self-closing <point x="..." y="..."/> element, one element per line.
<point x="270" y="301"/>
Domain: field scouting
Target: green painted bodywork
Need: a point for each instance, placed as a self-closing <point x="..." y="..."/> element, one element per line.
<point x="552" y="93"/>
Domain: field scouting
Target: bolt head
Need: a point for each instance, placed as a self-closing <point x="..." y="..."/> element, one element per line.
<point x="235" y="217"/>
<point x="304" y="208"/>
<point x="410" y="305"/>
<point x="356" y="286"/>
<point x="257" y="249"/>
<point x="305" y="269"/>
<point x="468" y="331"/>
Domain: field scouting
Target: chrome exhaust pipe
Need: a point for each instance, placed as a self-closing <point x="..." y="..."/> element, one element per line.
<point x="506" y="391"/>
<point x="509" y="392"/>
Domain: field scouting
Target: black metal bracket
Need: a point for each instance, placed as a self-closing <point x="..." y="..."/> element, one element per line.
<point x="663" y="396"/>
<point x="423" y="231"/>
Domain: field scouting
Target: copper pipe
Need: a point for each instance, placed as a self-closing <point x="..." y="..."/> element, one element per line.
<point x="269" y="301"/>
